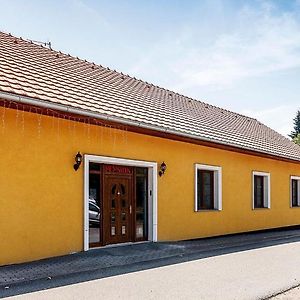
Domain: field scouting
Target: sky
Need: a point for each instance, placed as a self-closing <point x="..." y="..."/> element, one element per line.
<point x="236" y="54"/>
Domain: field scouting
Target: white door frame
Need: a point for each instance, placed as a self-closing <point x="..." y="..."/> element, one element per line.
<point x="152" y="191"/>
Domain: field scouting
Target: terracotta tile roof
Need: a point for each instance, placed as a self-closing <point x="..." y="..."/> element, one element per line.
<point x="34" y="71"/>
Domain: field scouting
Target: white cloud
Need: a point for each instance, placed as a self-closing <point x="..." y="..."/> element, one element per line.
<point x="263" y="42"/>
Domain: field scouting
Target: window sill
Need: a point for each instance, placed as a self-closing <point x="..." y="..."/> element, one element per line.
<point x="261" y="208"/>
<point x="207" y="210"/>
<point x="298" y="206"/>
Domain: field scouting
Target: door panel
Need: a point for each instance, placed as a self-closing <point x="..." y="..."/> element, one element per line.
<point x="117" y="209"/>
<point x="122" y="215"/>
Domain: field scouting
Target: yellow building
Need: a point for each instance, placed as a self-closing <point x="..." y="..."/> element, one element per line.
<point x="91" y="157"/>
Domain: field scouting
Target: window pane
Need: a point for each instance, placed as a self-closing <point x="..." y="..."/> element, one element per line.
<point x="94" y="167"/>
<point x="141" y="203"/>
<point x="141" y="171"/>
<point x="295" y="192"/>
<point x="94" y="204"/>
<point x="205" y="189"/>
<point x="93" y="207"/>
<point x="258" y="191"/>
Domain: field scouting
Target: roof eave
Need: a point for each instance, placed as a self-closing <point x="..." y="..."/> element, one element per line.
<point x="79" y="111"/>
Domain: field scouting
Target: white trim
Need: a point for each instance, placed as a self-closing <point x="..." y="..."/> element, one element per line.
<point x="217" y="185"/>
<point x="291" y="191"/>
<point x="267" y="188"/>
<point x="152" y="167"/>
<point x="85" y="206"/>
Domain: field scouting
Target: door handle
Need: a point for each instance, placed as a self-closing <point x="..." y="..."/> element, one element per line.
<point x="130" y="209"/>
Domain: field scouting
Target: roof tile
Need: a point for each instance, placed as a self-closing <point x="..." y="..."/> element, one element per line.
<point x="42" y="73"/>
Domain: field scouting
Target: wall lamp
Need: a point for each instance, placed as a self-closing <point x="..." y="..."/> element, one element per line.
<point x="78" y="161"/>
<point x="162" y="169"/>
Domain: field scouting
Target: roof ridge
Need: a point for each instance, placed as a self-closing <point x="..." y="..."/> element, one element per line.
<point x="31" y="42"/>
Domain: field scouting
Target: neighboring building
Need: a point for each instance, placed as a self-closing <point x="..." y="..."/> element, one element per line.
<point x="225" y="173"/>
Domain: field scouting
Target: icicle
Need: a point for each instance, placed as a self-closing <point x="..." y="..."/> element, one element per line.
<point x="110" y="133"/>
<point x="101" y="134"/>
<point x="123" y="135"/>
<point x="74" y="130"/>
<point x="126" y="136"/>
<point x="53" y="122"/>
<point x="88" y="130"/>
<point x="39" y="124"/>
<point x="58" y="128"/>
<point x="3" y="117"/>
<point x="69" y="126"/>
<point x="98" y="133"/>
<point x="23" y="120"/>
<point x="17" y="117"/>
<point x="114" y="140"/>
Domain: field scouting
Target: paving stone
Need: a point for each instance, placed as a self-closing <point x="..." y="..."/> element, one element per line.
<point x="109" y="257"/>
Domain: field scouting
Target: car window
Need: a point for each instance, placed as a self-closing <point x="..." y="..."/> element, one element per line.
<point x="93" y="207"/>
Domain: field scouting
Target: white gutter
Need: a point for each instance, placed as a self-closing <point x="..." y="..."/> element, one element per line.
<point x="82" y="112"/>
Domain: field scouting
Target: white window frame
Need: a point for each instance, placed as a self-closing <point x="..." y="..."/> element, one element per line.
<point x="152" y="191"/>
<point x="267" y="189"/>
<point x="217" y="186"/>
<point x="291" y="191"/>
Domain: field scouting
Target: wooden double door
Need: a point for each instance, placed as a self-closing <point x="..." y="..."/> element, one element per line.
<point x="118" y="204"/>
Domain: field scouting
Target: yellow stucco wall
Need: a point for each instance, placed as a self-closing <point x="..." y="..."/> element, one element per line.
<point x="41" y="196"/>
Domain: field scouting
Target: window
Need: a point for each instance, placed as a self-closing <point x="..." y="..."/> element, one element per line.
<point x="208" y="187"/>
<point x="261" y="190"/>
<point x="295" y="191"/>
<point x="141" y="196"/>
<point x="93" y="207"/>
<point x="94" y="204"/>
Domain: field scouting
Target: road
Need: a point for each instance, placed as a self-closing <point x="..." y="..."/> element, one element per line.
<point x="252" y="274"/>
